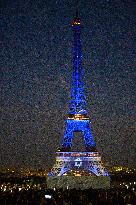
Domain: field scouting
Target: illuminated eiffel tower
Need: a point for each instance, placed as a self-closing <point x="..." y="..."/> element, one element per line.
<point x="70" y="163"/>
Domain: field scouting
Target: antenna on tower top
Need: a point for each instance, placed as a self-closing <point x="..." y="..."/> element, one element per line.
<point x="77" y="8"/>
<point x="76" y="21"/>
<point x="77" y="13"/>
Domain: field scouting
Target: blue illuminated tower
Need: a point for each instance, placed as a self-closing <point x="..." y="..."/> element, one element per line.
<point x="69" y="163"/>
<point x="78" y="120"/>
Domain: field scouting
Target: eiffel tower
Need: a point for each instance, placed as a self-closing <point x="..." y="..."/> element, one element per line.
<point x="69" y="163"/>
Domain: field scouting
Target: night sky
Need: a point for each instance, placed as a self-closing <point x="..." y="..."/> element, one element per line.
<point x="36" y="70"/>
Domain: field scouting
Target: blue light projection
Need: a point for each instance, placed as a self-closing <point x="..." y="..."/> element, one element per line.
<point x="78" y="99"/>
<point x="77" y="163"/>
<point x="78" y="126"/>
<point x="77" y="121"/>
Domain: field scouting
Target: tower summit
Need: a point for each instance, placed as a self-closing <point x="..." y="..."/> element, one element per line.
<point x="69" y="163"/>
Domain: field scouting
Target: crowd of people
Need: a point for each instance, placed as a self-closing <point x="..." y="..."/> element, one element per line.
<point x="69" y="197"/>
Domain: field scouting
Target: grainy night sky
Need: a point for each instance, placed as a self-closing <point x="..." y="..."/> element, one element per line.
<point x="36" y="64"/>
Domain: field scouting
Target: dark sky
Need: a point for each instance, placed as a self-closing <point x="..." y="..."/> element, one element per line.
<point x="36" y="64"/>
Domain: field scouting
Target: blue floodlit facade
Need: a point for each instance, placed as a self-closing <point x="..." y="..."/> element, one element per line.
<point x="78" y="120"/>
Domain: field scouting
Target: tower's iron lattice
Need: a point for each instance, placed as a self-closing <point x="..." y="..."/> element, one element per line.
<point x="78" y="121"/>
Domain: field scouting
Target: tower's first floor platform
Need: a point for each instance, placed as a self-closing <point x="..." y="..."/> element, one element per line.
<point x="78" y="170"/>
